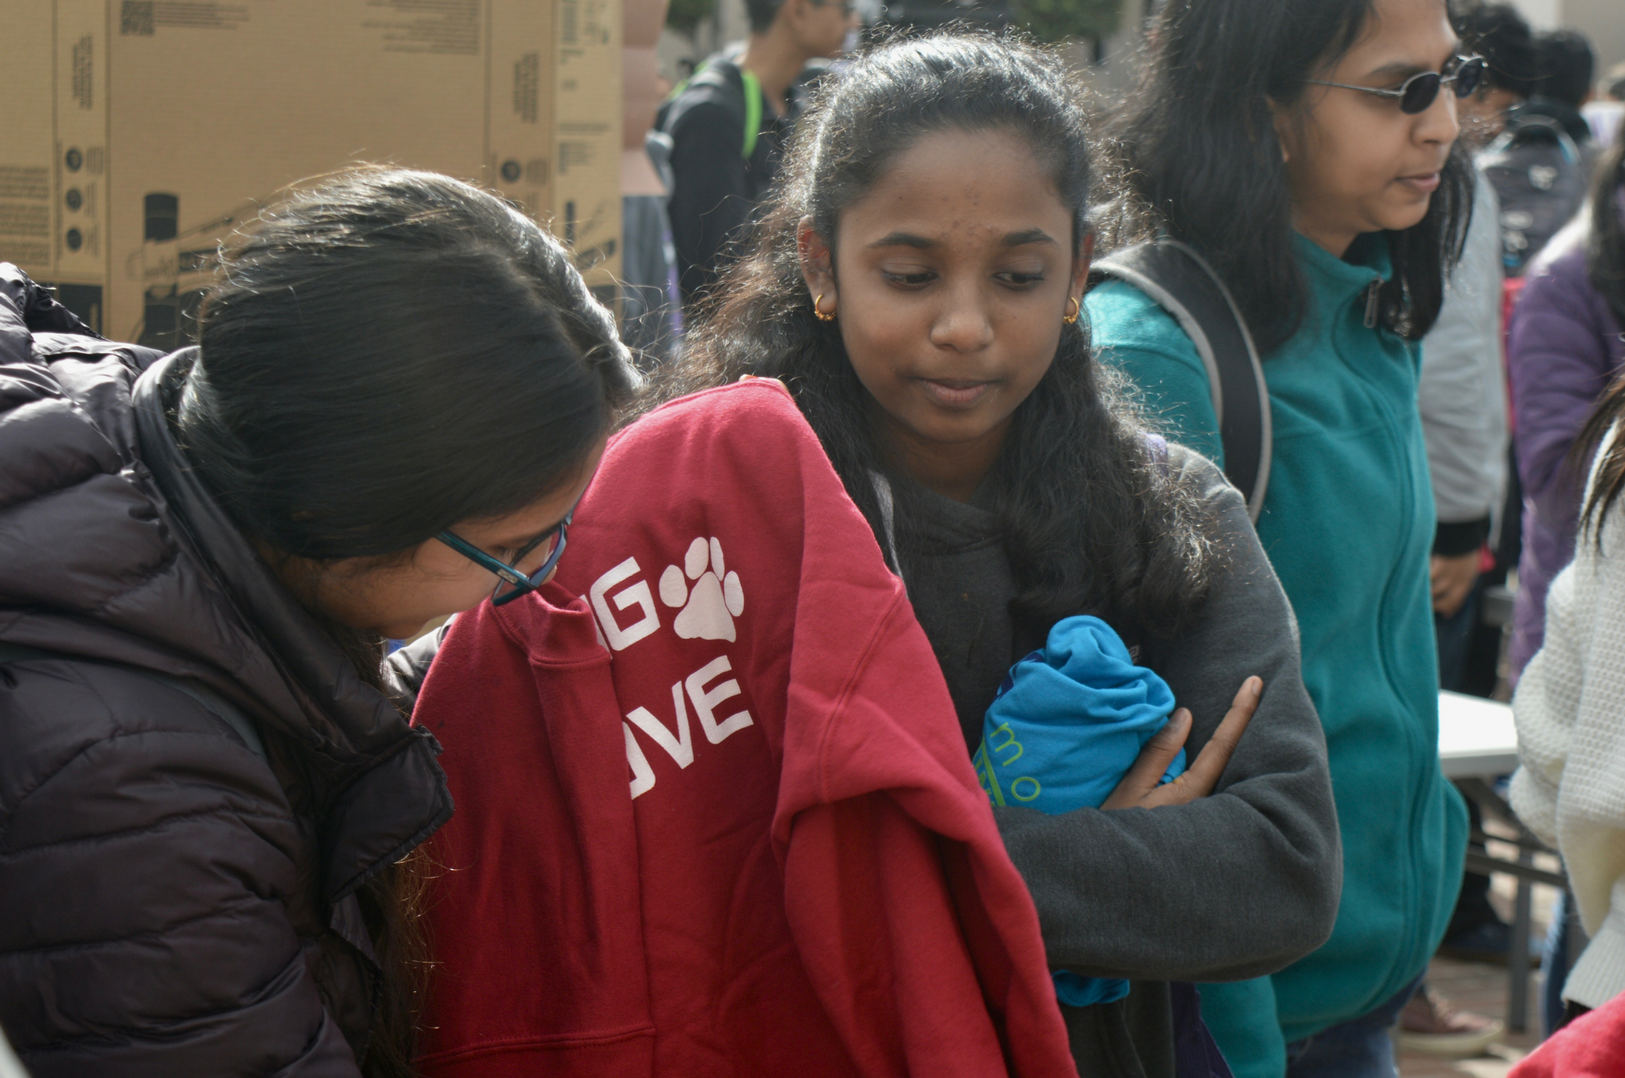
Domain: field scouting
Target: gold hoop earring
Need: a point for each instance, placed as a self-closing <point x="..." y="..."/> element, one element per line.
<point x="818" y="310"/>
<point x="1077" y="309"/>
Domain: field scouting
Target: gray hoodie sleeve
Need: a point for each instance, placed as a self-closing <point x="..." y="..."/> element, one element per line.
<point x="1233" y="885"/>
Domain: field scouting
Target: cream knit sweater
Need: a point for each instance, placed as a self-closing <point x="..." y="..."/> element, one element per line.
<point x="1570" y="710"/>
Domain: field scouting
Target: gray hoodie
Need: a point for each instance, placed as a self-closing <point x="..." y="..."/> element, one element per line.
<point x="1231" y="886"/>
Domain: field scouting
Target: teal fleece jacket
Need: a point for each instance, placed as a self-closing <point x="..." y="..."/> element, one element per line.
<point x="1348" y="524"/>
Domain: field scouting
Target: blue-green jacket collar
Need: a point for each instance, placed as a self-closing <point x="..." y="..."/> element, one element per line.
<point x="1342" y="279"/>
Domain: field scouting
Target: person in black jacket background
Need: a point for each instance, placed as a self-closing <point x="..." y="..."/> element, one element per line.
<point x="402" y="388"/>
<point x="727" y="124"/>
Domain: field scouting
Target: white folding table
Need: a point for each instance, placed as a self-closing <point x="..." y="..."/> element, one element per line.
<point x="1477" y="738"/>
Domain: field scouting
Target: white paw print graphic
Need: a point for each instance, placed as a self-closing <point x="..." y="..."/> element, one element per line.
<point x="709" y="608"/>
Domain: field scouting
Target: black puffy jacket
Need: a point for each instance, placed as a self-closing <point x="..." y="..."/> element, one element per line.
<point x="172" y="901"/>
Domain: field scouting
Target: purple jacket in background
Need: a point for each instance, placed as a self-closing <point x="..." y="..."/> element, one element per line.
<point x="1564" y="348"/>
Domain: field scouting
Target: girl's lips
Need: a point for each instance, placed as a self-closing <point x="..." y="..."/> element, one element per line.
<point x="955" y="394"/>
<point x="1426" y="184"/>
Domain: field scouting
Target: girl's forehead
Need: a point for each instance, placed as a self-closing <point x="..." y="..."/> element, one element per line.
<point x="962" y="182"/>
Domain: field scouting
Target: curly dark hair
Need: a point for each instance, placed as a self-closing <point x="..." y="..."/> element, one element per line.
<point x="1092" y="520"/>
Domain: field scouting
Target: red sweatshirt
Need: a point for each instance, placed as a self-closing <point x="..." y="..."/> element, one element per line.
<point x="714" y="812"/>
<point x="1591" y="1046"/>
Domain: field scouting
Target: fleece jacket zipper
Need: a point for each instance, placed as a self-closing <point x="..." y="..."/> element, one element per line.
<point x="1371" y="291"/>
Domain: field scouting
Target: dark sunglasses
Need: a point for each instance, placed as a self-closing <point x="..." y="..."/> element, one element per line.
<point x="1417" y="93"/>
<point x="511" y="583"/>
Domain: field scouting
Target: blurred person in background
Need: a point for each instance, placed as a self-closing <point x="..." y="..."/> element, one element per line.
<point x="1541" y="163"/>
<point x="727" y="126"/>
<point x="1305" y="149"/>
<point x="1564" y="66"/>
<point x="1463" y="401"/>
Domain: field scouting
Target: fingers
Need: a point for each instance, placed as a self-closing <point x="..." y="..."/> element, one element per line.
<point x="1204" y="772"/>
<point x="1450" y="598"/>
<point x="1140" y="787"/>
<point x="1152" y="763"/>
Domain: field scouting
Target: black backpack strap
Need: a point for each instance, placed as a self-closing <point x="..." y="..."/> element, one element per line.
<point x="1184" y="285"/>
<point x="223" y="709"/>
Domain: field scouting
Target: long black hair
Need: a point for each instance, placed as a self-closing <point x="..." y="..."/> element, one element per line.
<point x="387" y="353"/>
<point x="1199" y="159"/>
<point x="1091" y="522"/>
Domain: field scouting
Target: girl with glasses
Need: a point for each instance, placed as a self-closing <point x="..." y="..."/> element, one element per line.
<point x="1306" y="149"/>
<point x="402" y="387"/>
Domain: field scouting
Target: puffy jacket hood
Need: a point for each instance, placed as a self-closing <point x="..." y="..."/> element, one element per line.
<point x="111" y="549"/>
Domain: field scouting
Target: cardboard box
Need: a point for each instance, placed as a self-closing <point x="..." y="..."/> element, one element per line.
<point x="145" y="131"/>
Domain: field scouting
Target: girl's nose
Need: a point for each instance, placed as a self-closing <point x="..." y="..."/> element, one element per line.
<point x="962" y="325"/>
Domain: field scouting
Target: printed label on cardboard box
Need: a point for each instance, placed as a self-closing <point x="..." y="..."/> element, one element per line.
<point x="147" y="132"/>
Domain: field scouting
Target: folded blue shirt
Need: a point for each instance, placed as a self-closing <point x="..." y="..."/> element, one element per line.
<point x="1065" y="728"/>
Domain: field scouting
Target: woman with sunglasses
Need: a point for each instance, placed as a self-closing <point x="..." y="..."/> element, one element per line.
<point x="1305" y="148"/>
<point x="206" y="791"/>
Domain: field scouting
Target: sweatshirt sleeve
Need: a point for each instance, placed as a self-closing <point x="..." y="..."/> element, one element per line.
<point x="1236" y="884"/>
<point x="147" y="863"/>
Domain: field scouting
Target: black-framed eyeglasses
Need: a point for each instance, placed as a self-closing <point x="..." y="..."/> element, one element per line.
<point x="1417" y="93"/>
<point x="511" y="583"/>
